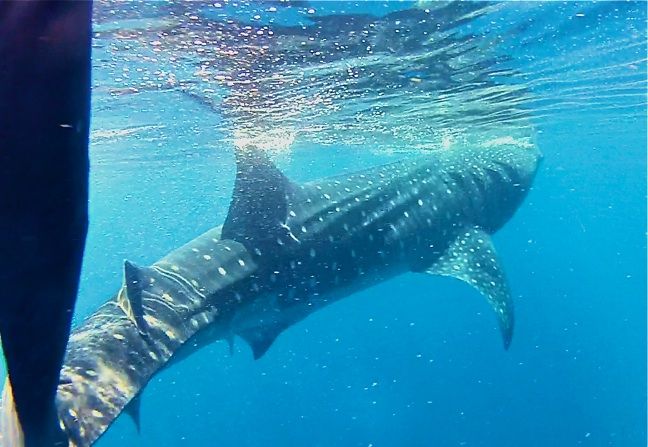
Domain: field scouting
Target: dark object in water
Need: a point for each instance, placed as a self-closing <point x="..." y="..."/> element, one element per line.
<point x="44" y="122"/>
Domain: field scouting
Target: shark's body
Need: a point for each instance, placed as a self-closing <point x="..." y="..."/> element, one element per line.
<point x="286" y="250"/>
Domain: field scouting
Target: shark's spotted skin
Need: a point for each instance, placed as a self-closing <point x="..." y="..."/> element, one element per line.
<point x="284" y="251"/>
<point x="471" y="258"/>
<point x="112" y="355"/>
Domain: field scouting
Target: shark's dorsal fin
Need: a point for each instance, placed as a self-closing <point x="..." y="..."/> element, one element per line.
<point x="472" y="258"/>
<point x="261" y="339"/>
<point x="134" y="410"/>
<point x="259" y="203"/>
<point x="130" y="295"/>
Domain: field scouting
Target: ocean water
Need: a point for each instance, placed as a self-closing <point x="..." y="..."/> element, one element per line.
<point x="332" y="87"/>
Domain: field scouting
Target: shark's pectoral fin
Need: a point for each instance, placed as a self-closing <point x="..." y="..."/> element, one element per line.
<point x="134" y="409"/>
<point x="260" y="339"/>
<point x="472" y="258"/>
<point x="130" y="295"/>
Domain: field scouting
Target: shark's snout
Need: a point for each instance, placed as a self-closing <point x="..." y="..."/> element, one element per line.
<point x="526" y="165"/>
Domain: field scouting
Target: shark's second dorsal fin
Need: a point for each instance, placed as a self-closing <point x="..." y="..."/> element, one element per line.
<point x="261" y="339"/>
<point x="260" y="200"/>
<point x="472" y="259"/>
<point x="130" y="295"/>
<point x="134" y="410"/>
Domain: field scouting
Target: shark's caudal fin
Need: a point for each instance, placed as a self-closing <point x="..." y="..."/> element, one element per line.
<point x="472" y="258"/>
<point x="260" y="200"/>
<point x="44" y="124"/>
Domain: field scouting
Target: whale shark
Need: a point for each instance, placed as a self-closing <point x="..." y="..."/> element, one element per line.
<point x="286" y="250"/>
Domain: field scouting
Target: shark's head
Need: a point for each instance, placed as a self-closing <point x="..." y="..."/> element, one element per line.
<point x="527" y="159"/>
<point x="507" y="173"/>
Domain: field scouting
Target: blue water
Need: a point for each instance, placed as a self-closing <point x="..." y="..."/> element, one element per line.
<point x="415" y="361"/>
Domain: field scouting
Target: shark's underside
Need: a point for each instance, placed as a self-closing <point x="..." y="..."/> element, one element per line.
<point x="286" y="250"/>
